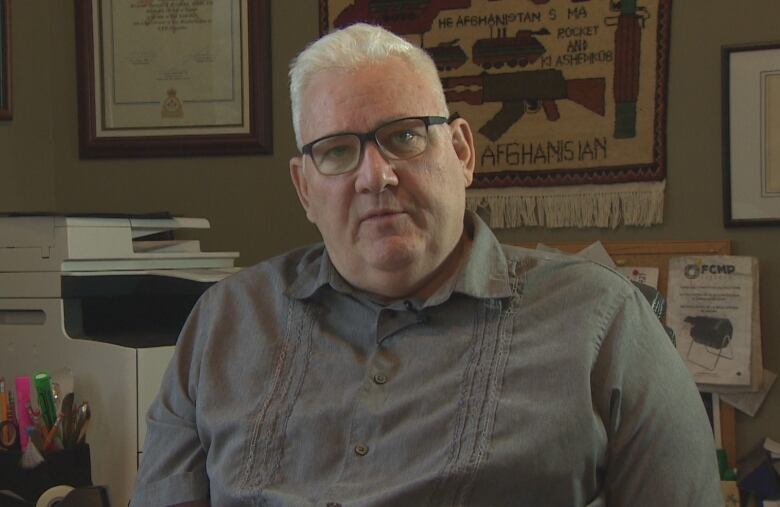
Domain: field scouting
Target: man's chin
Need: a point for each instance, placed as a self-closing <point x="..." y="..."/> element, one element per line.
<point x="390" y="254"/>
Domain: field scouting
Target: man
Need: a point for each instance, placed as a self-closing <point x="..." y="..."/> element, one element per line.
<point x="413" y="360"/>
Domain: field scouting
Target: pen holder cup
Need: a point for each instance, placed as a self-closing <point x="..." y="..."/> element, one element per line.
<point x="71" y="467"/>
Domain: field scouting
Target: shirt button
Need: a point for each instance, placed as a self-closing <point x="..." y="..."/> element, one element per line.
<point x="380" y="379"/>
<point x="361" y="450"/>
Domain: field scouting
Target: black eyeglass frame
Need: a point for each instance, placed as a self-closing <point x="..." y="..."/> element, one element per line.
<point x="371" y="136"/>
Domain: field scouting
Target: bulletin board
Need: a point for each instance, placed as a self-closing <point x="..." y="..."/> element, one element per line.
<point x="657" y="254"/>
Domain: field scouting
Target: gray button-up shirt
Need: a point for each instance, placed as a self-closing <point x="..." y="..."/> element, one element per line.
<point x="530" y="379"/>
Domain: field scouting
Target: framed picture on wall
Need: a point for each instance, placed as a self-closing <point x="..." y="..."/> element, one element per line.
<point x="751" y="134"/>
<point x="5" y="60"/>
<point x="159" y="79"/>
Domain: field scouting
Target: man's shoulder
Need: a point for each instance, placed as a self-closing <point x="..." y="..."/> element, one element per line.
<point x="562" y="269"/>
<point x="275" y="274"/>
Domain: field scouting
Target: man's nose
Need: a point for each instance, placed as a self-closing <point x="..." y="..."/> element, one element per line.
<point x="374" y="173"/>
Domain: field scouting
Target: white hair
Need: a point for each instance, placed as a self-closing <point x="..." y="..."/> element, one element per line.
<point x="347" y="50"/>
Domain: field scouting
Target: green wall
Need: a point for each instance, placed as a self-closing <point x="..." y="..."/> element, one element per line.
<point x="251" y="203"/>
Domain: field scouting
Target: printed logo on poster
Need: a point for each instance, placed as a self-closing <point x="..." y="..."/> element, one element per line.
<point x="698" y="268"/>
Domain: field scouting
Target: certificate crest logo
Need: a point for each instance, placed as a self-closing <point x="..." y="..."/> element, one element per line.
<point x="172" y="106"/>
<point x="692" y="271"/>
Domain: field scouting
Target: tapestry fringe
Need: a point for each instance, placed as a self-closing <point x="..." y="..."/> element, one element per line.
<point x="606" y="206"/>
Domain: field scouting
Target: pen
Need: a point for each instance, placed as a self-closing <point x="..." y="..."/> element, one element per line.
<point x="4" y="413"/>
<point x="3" y="401"/>
<point x="50" y="435"/>
<point x="11" y="407"/>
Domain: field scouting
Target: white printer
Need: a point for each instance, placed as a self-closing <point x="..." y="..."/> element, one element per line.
<point x="104" y="296"/>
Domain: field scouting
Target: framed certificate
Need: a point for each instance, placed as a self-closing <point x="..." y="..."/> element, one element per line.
<point x="159" y="78"/>
<point x="751" y="129"/>
<point x="5" y="60"/>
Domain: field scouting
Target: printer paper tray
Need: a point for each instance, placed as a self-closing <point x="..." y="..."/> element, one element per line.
<point x="206" y="275"/>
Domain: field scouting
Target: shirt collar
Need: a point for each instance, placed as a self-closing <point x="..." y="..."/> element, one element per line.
<point x="314" y="272"/>
<point x="484" y="273"/>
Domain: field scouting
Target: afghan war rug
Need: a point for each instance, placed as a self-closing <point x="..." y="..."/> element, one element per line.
<point x="566" y="99"/>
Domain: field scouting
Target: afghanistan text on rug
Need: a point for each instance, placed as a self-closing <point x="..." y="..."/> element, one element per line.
<point x="566" y="98"/>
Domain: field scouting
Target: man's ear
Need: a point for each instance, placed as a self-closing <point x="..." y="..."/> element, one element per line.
<point x="300" y="183"/>
<point x="463" y="143"/>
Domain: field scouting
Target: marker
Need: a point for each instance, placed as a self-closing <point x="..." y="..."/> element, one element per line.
<point x="45" y="398"/>
<point x="22" y="415"/>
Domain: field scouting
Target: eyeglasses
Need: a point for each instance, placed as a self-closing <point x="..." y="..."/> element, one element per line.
<point x="397" y="140"/>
